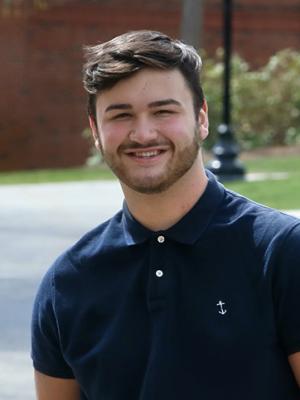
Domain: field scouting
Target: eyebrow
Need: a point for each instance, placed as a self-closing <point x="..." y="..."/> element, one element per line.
<point x="165" y="102"/>
<point x="120" y="106"/>
<point x="158" y="103"/>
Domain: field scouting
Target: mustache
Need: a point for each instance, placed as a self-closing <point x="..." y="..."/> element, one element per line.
<point x="139" y="146"/>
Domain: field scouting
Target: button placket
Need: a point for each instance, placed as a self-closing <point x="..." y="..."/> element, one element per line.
<point x="157" y="272"/>
<point x="161" y="239"/>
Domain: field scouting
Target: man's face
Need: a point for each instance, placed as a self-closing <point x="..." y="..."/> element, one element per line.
<point x="147" y="129"/>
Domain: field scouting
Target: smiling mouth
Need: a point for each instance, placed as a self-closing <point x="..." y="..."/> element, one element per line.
<point x="146" y="154"/>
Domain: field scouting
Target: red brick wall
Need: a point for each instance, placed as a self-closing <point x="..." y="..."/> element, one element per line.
<point x="260" y="27"/>
<point x="42" y="106"/>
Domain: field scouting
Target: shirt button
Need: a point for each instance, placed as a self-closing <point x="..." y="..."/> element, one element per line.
<point x="161" y="239"/>
<point x="159" y="273"/>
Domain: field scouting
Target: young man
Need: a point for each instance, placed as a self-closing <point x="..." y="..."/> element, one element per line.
<point x="189" y="292"/>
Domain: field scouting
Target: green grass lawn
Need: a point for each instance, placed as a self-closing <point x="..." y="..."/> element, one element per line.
<point x="282" y="194"/>
<point x="56" y="175"/>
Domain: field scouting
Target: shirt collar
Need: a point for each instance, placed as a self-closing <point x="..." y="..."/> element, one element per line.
<point x="189" y="229"/>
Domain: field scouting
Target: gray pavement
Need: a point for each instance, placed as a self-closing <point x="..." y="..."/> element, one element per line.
<point x="38" y="222"/>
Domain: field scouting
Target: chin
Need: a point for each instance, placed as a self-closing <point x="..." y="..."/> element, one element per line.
<point x="151" y="186"/>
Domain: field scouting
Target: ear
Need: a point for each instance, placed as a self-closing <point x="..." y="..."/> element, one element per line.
<point x="203" y="121"/>
<point x="95" y="133"/>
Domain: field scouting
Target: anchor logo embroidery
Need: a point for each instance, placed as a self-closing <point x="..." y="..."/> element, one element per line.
<point x="222" y="310"/>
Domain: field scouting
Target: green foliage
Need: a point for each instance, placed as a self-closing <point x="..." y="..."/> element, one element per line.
<point x="265" y="102"/>
<point x="95" y="157"/>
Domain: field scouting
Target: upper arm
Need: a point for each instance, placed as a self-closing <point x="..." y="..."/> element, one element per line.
<point x="294" y="360"/>
<point x="285" y="292"/>
<point x="49" y="388"/>
<point x="46" y="346"/>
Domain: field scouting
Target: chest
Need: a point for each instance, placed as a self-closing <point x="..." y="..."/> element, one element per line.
<point x="171" y="310"/>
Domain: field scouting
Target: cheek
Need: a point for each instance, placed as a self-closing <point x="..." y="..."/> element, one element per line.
<point x="177" y="130"/>
<point x="112" y="137"/>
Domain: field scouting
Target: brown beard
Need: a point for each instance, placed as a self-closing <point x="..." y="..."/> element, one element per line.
<point x="185" y="159"/>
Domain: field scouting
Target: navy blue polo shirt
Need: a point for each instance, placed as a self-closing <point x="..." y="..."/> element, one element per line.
<point x="208" y="309"/>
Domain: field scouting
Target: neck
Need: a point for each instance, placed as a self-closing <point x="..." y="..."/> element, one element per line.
<point x="160" y="211"/>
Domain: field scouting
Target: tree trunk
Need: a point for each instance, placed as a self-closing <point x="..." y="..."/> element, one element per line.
<point x="191" y="22"/>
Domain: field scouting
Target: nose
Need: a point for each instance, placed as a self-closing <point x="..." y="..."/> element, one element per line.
<point x="142" y="131"/>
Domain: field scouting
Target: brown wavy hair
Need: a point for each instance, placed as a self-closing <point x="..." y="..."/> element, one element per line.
<point x="108" y="63"/>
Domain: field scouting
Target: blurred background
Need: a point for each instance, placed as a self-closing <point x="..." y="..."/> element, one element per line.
<point x="42" y="107"/>
<point x="45" y="145"/>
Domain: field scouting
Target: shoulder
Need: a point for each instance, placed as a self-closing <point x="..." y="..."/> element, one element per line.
<point x="104" y="239"/>
<point x="75" y="269"/>
<point x="265" y="223"/>
<point x="87" y="252"/>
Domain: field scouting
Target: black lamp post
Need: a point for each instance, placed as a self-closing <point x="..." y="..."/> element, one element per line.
<point x="225" y="164"/>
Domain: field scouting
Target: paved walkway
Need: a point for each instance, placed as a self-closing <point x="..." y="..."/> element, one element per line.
<point x="37" y="222"/>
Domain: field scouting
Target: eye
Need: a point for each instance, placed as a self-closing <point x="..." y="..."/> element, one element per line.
<point x="164" y="112"/>
<point x="121" y="116"/>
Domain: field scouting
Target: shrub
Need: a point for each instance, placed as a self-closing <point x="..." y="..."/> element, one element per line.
<point x="95" y="157"/>
<point x="265" y="102"/>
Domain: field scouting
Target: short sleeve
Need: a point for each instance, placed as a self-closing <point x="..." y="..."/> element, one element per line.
<point x="286" y="291"/>
<point x="45" y="342"/>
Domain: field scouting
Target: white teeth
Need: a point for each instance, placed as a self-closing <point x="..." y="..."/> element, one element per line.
<point x="147" y="154"/>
